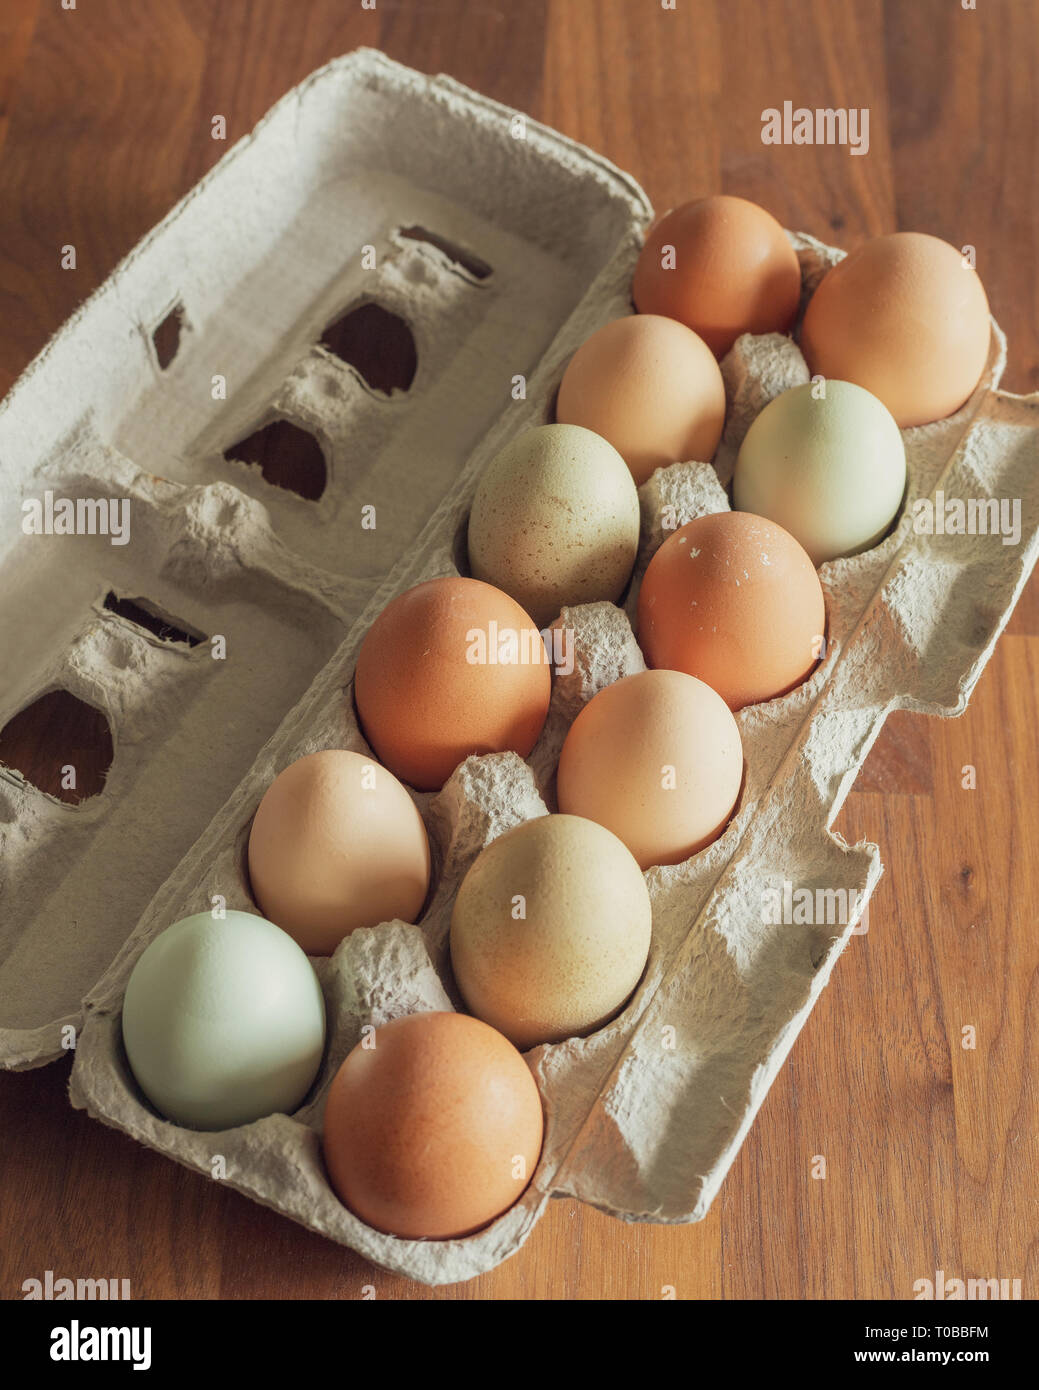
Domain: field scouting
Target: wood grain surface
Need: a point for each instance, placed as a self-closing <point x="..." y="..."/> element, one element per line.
<point x="931" y="1150"/>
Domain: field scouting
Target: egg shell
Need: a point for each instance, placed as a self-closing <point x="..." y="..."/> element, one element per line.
<point x="223" y="1021"/>
<point x="656" y="758"/>
<point x="433" y="1128"/>
<point x="435" y="684"/>
<point x="734" y="600"/>
<point x="652" y="387"/>
<point x="905" y="317"/>
<point x="555" y="521"/>
<point x="336" y="844"/>
<point x="731" y="270"/>
<point x="830" y="469"/>
<point x="550" y="930"/>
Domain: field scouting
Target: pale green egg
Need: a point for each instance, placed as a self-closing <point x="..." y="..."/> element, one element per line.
<point x="223" y="1021"/>
<point x="826" y="462"/>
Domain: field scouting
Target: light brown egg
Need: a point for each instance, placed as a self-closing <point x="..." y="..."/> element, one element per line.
<point x="650" y="386"/>
<point x="550" y="930"/>
<point x="906" y="318"/>
<point x="722" y="266"/>
<point x="734" y="600"/>
<point x="432" y="1128"/>
<point x="337" y="844"/>
<point x="657" y="759"/>
<point x="450" y="668"/>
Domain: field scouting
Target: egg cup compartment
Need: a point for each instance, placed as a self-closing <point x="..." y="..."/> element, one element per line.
<point x="645" y="1116"/>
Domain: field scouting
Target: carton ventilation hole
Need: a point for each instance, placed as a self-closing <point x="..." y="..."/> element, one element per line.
<point x="142" y="613"/>
<point x="166" y="338"/>
<point x="61" y="745"/>
<point x="287" y="456"/>
<point x="376" y="343"/>
<point x="478" y="269"/>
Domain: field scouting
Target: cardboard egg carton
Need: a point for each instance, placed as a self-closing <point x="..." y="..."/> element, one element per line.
<point x="645" y="1116"/>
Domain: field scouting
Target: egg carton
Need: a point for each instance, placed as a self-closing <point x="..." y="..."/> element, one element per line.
<point x="644" y="1118"/>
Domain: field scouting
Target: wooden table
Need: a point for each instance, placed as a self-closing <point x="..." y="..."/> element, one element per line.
<point x="931" y="1149"/>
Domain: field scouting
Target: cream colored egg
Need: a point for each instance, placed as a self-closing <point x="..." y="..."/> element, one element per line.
<point x="829" y="468"/>
<point x="657" y="759"/>
<point x="336" y="844"/>
<point x="550" y="930"/>
<point x="652" y="387"/>
<point x="555" y="521"/>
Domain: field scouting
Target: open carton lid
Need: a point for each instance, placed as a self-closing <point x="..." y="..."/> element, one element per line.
<point x="485" y="234"/>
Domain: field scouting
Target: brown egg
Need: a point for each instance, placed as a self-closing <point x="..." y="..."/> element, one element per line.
<point x="337" y="844"/>
<point x="657" y="759"/>
<point x="734" y="600"/>
<point x="433" y="1127"/>
<point x="904" y="317"/>
<point x="722" y="266"/>
<point x="450" y="668"/>
<point x="651" y="387"/>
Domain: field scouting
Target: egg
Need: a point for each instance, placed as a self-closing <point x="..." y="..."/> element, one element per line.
<point x="826" y="461"/>
<point x="905" y="317"/>
<point x="555" y="520"/>
<point x="432" y="1128"/>
<point x="337" y="844"/>
<point x="722" y="266"/>
<point x="734" y="600"/>
<point x="650" y="386"/>
<point x="450" y="668"/>
<point x="223" y="1021"/>
<point x="550" y="930"/>
<point x="657" y="759"/>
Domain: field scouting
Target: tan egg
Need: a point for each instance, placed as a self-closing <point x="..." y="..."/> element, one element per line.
<point x="722" y="266"/>
<point x="651" y="387"/>
<point x="432" y="1128"/>
<point x="550" y="930"/>
<point x="906" y="318"/>
<point x="450" y="668"/>
<point x="734" y="600"/>
<point x="555" y="521"/>
<point x="337" y="844"/>
<point x="657" y="759"/>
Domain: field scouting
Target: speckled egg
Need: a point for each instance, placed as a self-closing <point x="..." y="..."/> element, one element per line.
<point x="555" y="521"/>
<point x="550" y="930"/>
